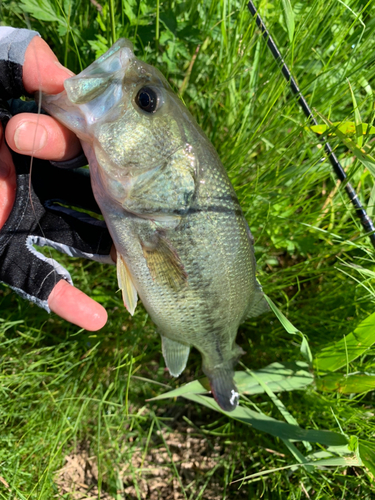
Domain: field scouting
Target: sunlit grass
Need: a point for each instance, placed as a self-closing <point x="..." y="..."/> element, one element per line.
<point x="62" y="387"/>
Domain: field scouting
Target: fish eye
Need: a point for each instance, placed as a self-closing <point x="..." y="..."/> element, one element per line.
<point x="147" y="99"/>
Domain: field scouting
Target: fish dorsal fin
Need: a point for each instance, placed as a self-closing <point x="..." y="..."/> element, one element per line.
<point x="175" y="355"/>
<point x="164" y="263"/>
<point x="129" y="292"/>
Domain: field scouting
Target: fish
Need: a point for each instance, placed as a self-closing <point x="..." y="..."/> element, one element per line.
<point x="183" y="244"/>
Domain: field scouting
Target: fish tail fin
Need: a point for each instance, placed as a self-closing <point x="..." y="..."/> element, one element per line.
<point x="223" y="388"/>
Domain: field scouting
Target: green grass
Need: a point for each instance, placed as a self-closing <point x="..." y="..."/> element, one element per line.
<point x="63" y="388"/>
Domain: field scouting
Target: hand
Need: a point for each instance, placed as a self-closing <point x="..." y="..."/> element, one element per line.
<point x="43" y="137"/>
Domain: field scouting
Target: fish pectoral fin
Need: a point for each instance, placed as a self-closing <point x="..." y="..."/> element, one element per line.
<point x="175" y="355"/>
<point x="164" y="263"/>
<point x="129" y="292"/>
<point x="259" y="304"/>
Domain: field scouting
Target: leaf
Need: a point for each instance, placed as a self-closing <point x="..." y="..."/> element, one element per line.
<point x="362" y="270"/>
<point x="347" y="128"/>
<point x="338" y="354"/>
<point x="361" y="155"/>
<point x="366" y="86"/>
<point x="100" y="45"/>
<point x="354" y="383"/>
<point x="277" y="376"/>
<point x="41" y="10"/>
<point x="272" y="426"/>
<point x="305" y="348"/>
<point x="195" y="387"/>
<point x="190" y="34"/>
<point x="193" y="391"/>
<point x="61" y="30"/>
<point x="283" y="319"/>
<point x="358" y="120"/>
<point x="169" y="20"/>
<point x="366" y="160"/>
<point x="99" y="20"/>
<point x="289" y="18"/>
<point x="351" y="461"/>
<point x="297" y="454"/>
<point x="128" y="7"/>
<point x="371" y="202"/>
<point x="367" y="453"/>
<point x="287" y="416"/>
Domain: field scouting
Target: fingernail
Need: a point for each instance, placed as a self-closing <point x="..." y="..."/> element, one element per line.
<point x="67" y="71"/>
<point x="30" y="137"/>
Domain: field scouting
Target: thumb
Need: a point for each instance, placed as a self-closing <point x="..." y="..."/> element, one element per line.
<point x="7" y="180"/>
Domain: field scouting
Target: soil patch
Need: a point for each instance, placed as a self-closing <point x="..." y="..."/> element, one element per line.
<point x="174" y="460"/>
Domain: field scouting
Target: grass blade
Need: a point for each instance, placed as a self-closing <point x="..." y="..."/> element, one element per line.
<point x="367" y="160"/>
<point x="289" y="18"/>
<point x="305" y="348"/>
<point x="354" y="383"/>
<point x="277" y="377"/>
<point x="347" y="128"/>
<point x="344" y="351"/>
<point x="326" y="462"/>
<point x="367" y="453"/>
<point x="358" y="120"/>
<point x="272" y="426"/>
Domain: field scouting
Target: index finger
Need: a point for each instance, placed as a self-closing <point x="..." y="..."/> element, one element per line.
<point x="75" y="306"/>
<point x="42" y="70"/>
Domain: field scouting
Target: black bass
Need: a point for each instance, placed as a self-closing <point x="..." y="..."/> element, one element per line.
<point x="183" y="244"/>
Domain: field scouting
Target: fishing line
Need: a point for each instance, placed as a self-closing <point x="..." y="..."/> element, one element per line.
<point x="366" y="221"/>
<point x="39" y="104"/>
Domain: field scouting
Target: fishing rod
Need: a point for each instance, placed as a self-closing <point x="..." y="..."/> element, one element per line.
<point x="366" y="221"/>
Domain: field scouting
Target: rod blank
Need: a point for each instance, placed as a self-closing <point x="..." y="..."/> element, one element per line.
<point x="353" y="197"/>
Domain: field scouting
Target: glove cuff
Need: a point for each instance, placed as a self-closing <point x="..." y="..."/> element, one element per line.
<point x="13" y="45"/>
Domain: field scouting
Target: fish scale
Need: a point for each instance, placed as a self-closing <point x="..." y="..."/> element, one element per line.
<point x="183" y="245"/>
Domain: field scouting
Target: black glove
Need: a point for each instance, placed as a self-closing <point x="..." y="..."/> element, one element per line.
<point x="42" y="216"/>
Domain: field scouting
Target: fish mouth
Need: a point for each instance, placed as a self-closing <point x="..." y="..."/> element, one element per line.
<point x="89" y="95"/>
<point x="109" y="69"/>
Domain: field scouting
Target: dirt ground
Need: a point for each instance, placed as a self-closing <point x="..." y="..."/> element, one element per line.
<point x="152" y="476"/>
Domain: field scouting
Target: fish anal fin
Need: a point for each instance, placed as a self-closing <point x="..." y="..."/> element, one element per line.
<point x="164" y="263"/>
<point x="259" y="304"/>
<point x="129" y="292"/>
<point x="175" y="355"/>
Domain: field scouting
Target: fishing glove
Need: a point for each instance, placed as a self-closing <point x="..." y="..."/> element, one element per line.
<point x="46" y="191"/>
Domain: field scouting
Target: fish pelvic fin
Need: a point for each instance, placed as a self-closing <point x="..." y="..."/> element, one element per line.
<point x="223" y="388"/>
<point x="175" y="355"/>
<point x="164" y="263"/>
<point x="129" y="292"/>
